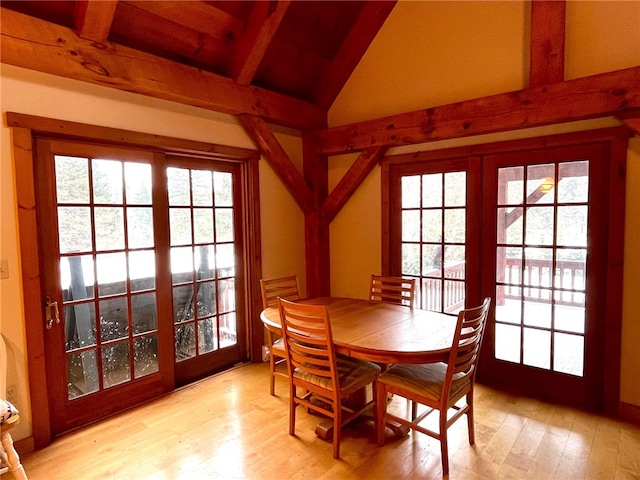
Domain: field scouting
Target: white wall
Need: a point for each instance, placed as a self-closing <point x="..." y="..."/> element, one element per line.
<point x="427" y="54"/>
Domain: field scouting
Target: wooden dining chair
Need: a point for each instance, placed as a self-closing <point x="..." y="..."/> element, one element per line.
<point x="439" y="386"/>
<point x="315" y="369"/>
<point x="398" y="290"/>
<point x="271" y="288"/>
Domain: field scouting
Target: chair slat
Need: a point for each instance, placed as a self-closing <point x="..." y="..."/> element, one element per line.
<point x="397" y="290"/>
<point x="281" y="287"/>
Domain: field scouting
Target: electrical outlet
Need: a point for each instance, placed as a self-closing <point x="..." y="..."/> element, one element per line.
<point x="11" y="394"/>
<point x="4" y="269"/>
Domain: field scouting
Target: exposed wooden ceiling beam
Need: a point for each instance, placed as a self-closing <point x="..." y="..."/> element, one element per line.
<point x="368" y="159"/>
<point x="633" y="124"/>
<point x="252" y="45"/>
<point x="370" y="20"/>
<point x="199" y="17"/>
<point x="631" y="119"/>
<point x="38" y="45"/>
<point x="547" y="42"/>
<point x="583" y="98"/>
<point x="271" y="149"/>
<point x="94" y="18"/>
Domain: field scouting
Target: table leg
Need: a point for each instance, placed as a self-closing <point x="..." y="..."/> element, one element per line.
<point x="356" y="401"/>
<point x="324" y="429"/>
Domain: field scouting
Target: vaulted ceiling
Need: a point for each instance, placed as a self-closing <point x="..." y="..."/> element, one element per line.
<point x="283" y="60"/>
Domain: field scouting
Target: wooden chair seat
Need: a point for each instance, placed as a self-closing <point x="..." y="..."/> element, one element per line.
<point x="350" y="372"/>
<point x="277" y="347"/>
<point x="425" y="380"/>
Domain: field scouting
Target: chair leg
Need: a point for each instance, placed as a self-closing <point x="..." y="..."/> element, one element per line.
<point x="272" y="370"/>
<point x="444" y="448"/>
<point x="470" y="420"/>
<point x="337" y="421"/>
<point x="292" y="410"/>
<point x="380" y="406"/>
<point x="15" y="467"/>
<point x="272" y="363"/>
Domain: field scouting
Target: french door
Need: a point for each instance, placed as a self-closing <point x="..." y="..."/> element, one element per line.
<point x="205" y="251"/>
<point x="545" y="233"/>
<point x="534" y="228"/>
<point x="140" y="259"/>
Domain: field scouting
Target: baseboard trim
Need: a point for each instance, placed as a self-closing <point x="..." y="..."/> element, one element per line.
<point x="629" y="412"/>
<point x="24" y="446"/>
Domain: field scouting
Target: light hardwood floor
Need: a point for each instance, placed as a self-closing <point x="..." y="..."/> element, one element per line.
<point x="229" y="427"/>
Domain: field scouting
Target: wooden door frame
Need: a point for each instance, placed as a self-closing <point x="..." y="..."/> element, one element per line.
<point x="24" y="130"/>
<point x="616" y="140"/>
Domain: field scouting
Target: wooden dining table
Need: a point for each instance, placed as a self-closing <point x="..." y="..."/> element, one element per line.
<point x="382" y="332"/>
<point x="379" y="332"/>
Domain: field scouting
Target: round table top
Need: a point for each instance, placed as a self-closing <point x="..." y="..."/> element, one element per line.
<point x="382" y="332"/>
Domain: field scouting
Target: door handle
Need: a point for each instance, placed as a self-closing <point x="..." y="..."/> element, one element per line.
<point x="51" y="312"/>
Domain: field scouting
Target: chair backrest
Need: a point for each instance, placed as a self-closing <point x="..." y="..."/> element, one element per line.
<point x="389" y="289"/>
<point x="467" y="340"/>
<point x="284" y="287"/>
<point x="309" y="344"/>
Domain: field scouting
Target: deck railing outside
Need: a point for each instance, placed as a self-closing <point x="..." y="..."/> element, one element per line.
<point x="534" y="278"/>
<point x="431" y="296"/>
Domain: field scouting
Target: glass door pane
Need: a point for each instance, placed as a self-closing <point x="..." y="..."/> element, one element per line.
<point x="107" y="271"/>
<point x="433" y="210"/>
<point x="203" y="266"/>
<point x="541" y="252"/>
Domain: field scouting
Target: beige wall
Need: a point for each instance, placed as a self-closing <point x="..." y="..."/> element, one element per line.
<point x="44" y="95"/>
<point x="431" y="53"/>
<point x="427" y="54"/>
<point x="435" y="53"/>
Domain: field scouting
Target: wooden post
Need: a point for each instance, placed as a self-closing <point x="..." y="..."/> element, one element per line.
<point x="315" y="171"/>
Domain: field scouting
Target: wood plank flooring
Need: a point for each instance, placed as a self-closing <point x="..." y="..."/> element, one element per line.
<point x="229" y="427"/>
